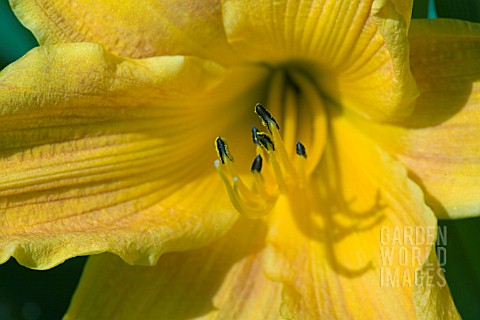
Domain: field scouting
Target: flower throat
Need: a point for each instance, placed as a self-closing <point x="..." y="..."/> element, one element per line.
<point x="282" y="174"/>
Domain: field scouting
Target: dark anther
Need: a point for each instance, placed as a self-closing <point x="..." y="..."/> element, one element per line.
<point x="300" y="148"/>
<point x="257" y="164"/>
<point x="265" y="141"/>
<point x="222" y="149"/>
<point x="254" y="135"/>
<point x="266" y="117"/>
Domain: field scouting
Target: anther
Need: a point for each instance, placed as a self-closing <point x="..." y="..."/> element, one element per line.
<point x="222" y="150"/>
<point x="300" y="149"/>
<point x="266" y="117"/>
<point x="302" y="176"/>
<point x="273" y="128"/>
<point x="265" y="141"/>
<point x="254" y="135"/>
<point x="257" y="164"/>
<point x="257" y="199"/>
<point x="227" y="159"/>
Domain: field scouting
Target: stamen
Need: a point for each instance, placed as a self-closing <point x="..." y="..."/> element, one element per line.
<point x="257" y="164"/>
<point x="258" y="199"/>
<point x="255" y="140"/>
<point x="268" y="145"/>
<point x="249" y="197"/>
<point x="265" y="141"/>
<point x="260" y="187"/>
<point x="258" y="179"/>
<point x="222" y="150"/>
<point x="252" y="204"/>
<point x="266" y="117"/>
<point x="227" y="159"/>
<point x="254" y="135"/>
<point x="231" y="192"/>
<point x="300" y="149"/>
<point x="225" y="180"/>
<point x="273" y="128"/>
<point x="318" y="118"/>
<point x="252" y="210"/>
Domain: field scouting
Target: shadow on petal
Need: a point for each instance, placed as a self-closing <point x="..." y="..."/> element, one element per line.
<point x="182" y="285"/>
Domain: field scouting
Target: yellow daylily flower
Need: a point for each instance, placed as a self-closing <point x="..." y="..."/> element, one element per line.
<point x="107" y="134"/>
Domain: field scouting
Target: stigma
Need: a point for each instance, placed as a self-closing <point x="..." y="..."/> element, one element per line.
<point x="274" y="169"/>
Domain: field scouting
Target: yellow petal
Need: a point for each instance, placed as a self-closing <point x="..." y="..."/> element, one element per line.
<point x="356" y="51"/>
<point x="337" y="245"/>
<point x="221" y="281"/>
<point x="433" y="301"/>
<point x="130" y="28"/>
<point x="100" y="153"/>
<point x="440" y="142"/>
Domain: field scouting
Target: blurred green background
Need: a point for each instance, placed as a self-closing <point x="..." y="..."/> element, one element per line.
<point x="33" y="295"/>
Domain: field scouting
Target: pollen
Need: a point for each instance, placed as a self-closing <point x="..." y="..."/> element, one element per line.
<point x="277" y="175"/>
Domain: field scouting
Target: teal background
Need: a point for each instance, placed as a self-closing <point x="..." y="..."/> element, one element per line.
<point x="32" y="295"/>
<point x="15" y="40"/>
